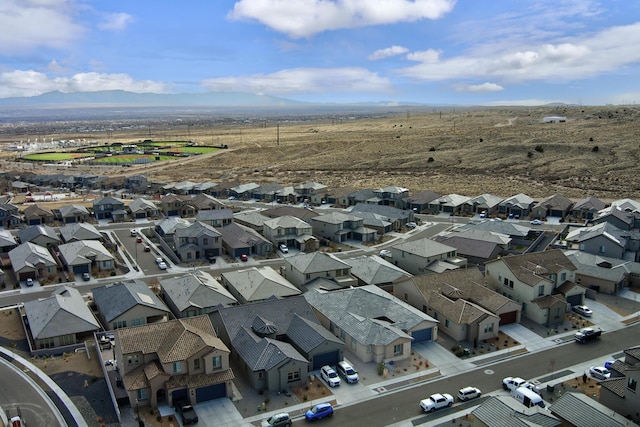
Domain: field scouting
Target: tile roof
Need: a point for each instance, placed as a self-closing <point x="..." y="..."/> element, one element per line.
<point x="505" y="411"/>
<point x="425" y="248"/>
<point x="374" y="270"/>
<point x="533" y="267"/>
<point x="79" y="231"/>
<point x="171" y="341"/>
<point x="197" y="289"/>
<point x="316" y="262"/>
<point x="583" y="411"/>
<point x="256" y="284"/>
<point x="263" y="353"/>
<point x="115" y="299"/>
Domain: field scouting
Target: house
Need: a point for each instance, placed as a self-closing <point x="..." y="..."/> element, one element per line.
<point x="257" y="284"/>
<point x="374" y="325"/>
<point x="9" y="215"/>
<point x="419" y="202"/>
<point x="243" y="191"/>
<point x="38" y="215"/>
<point x="476" y="246"/>
<point x="603" y="274"/>
<point x="586" y="209"/>
<point x="620" y="394"/>
<point x="194" y="294"/>
<point x="310" y="190"/>
<point x="267" y="192"/>
<point x="290" y="231"/>
<point x="466" y="309"/>
<point x="339" y="227"/>
<point x="7" y="241"/>
<point x="142" y="208"/>
<point x="177" y="205"/>
<point x="379" y="224"/>
<point x="130" y="303"/>
<point x="60" y="322"/>
<point x="518" y="206"/>
<point x="485" y="203"/>
<point x="619" y="218"/>
<point x="397" y="217"/>
<point x="79" y="231"/>
<point x="543" y="282"/>
<point x="197" y="242"/>
<point x="281" y="211"/>
<point x="167" y="227"/>
<point x="424" y="256"/>
<point x="365" y="196"/>
<point x="42" y="235"/>
<point x="375" y="270"/>
<point x="203" y="202"/>
<point x="503" y="411"/>
<point x="136" y="183"/>
<point x="182" y="187"/>
<point x="556" y="206"/>
<point x="85" y="256"/>
<point x="104" y="207"/>
<point x="287" y="195"/>
<point x="31" y="261"/>
<point x="451" y="204"/>
<point x="252" y="219"/>
<point x="215" y="217"/>
<point x="167" y="362"/>
<point x="338" y="197"/>
<point x="605" y="239"/>
<point x="392" y="196"/>
<point x="277" y="341"/>
<point x="238" y="240"/>
<point x="303" y="269"/>
<point x="578" y="409"/>
<point x="69" y="214"/>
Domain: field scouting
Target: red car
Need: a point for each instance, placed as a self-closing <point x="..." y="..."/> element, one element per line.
<point x="244" y="257"/>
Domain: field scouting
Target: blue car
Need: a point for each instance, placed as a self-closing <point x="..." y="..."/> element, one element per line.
<point x="321" y="410"/>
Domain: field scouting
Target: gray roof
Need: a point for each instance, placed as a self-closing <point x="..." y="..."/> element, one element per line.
<point x="238" y="236"/>
<point x="316" y="262"/>
<point x="486" y="201"/>
<point x="79" y="231"/>
<point x="30" y="233"/>
<point x="608" y="230"/>
<point x="197" y="289"/>
<point x="505" y="411"/>
<point x="581" y="410"/>
<point x="520" y="200"/>
<point x="590" y="203"/>
<point x="30" y="256"/>
<point x="388" y="211"/>
<point x="468" y="247"/>
<point x="373" y="270"/>
<point x="423" y="197"/>
<point x="286" y="221"/>
<point x="64" y="312"/>
<point x="612" y="269"/>
<point x="115" y="299"/>
<point x="423" y="247"/>
<point x="197" y="229"/>
<point x="141" y="204"/>
<point x="256" y="284"/>
<point x="214" y="214"/>
<point x="358" y="311"/>
<point x="263" y="353"/>
<point x="84" y="252"/>
<point x="502" y="227"/>
<point x="253" y="218"/>
<point x="308" y="335"/>
<point x="452" y="200"/>
<point x="169" y="225"/>
<point x="108" y="200"/>
<point x="7" y="239"/>
<point x="336" y="218"/>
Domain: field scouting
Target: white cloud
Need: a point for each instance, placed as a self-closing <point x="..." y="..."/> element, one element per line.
<point x="304" y="80"/>
<point x="573" y="58"/>
<point x="31" y="83"/>
<point x="388" y="52"/>
<point x="116" y="21"/>
<point x="484" y="87"/>
<point x="28" y="24"/>
<point x="427" y="56"/>
<point x="304" y="18"/>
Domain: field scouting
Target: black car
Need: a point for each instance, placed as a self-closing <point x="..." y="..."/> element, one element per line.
<point x="186" y="412"/>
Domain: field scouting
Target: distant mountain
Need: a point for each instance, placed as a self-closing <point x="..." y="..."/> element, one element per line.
<point x="131" y="99"/>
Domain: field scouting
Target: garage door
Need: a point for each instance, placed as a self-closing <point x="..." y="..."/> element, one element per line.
<point x="211" y="392"/>
<point x="422" y="335"/>
<point x="178" y="395"/>
<point x="79" y="269"/>
<point x="507" y="318"/>
<point x="330" y="358"/>
<point x="574" y="300"/>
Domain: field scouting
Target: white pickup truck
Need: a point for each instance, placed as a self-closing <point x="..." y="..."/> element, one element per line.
<point x="436" y="401"/>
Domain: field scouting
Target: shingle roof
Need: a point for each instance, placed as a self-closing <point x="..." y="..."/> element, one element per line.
<point x="590" y="203"/>
<point x="29" y="256"/>
<point x="197" y="289"/>
<point x="84" y="252"/>
<point x="556" y="201"/>
<point x="388" y="211"/>
<point x="425" y="248"/>
<point x="316" y="262"/>
<point x="173" y="340"/>
<point x="373" y="270"/>
<point x="79" y="231"/>
<point x="286" y="221"/>
<point x="502" y="227"/>
<point x="469" y="247"/>
<point x="533" y="267"/>
<point x="307" y="335"/>
<point x="72" y="210"/>
<point x="30" y="233"/>
<point x="263" y="353"/>
<point x="214" y="214"/>
<point x="422" y="197"/>
<point x="359" y="311"/>
<point x="117" y="298"/>
<point x="197" y="229"/>
<point x="238" y="236"/>
<point x="605" y="229"/>
<point x="256" y="284"/>
<point x="64" y="312"/>
<point x="485" y="201"/>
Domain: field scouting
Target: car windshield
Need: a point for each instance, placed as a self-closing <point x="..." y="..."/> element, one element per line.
<point x="350" y="371"/>
<point x="332" y="374"/>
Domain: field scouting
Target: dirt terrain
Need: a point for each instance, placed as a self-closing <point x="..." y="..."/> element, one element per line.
<point x="503" y="151"/>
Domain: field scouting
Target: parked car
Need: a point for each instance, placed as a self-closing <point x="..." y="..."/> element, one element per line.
<point x="186" y="412"/>
<point x="536" y="222"/>
<point x="583" y="310"/>
<point x="483" y="214"/>
<point x="159" y="260"/>
<point x="384" y="253"/>
<point x="609" y="363"/>
<point x="278" y="420"/>
<point x="587" y="334"/>
<point x="411" y="225"/>
<point x="244" y="257"/>
<point x="347" y="372"/>
<point x="436" y="401"/>
<point x="330" y="376"/>
<point x="162" y="265"/>
<point x="86" y="277"/>
<point x="512" y="383"/>
<point x="599" y="372"/>
<point x="134" y="233"/>
<point x="284" y="249"/>
<point x="29" y="282"/>
<point x="319" y="411"/>
<point x="468" y="393"/>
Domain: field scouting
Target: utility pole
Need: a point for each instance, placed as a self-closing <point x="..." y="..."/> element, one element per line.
<point x="278" y="134"/>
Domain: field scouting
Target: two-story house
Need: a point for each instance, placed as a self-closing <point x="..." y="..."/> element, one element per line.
<point x="392" y="195"/>
<point x="9" y="215"/>
<point x="339" y="227"/>
<point x="605" y="239"/>
<point x="197" y="242"/>
<point x="303" y="269"/>
<point x="195" y="294"/>
<point x="543" y="282"/>
<point x="621" y="393"/>
<point x="177" y="205"/>
<point x="69" y="214"/>
<point x="425" y="256"/>
<point x="104" y="207"/>
<point x="451" y="204"/>
<point x="215" y="217"/>
<point x="170" y="361"/>
<point x="291" y="231"/>
<point x="518" y="206"/>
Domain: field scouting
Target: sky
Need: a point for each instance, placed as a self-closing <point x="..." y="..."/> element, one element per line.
<point x="469" y="52"/>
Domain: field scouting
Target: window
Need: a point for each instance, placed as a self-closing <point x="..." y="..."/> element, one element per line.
<point x="511" y="284"/>
<point x="369" y="349"/>
<point x="343" y="335"/>
<point x="540" y="290"/>
<point x="137" y="322"/>
<point x="142" y="394"/>
<point x="563" y="277"/>
<point x="631" y="383"/>
<point x="435" y="315"/>
<point x="488" y="327"/>
<point x="557" y="312"/>
<point x="47" y="343"/>
<point x="67" y="339"/>
<point x="196" y="364"/>
<point x="217" y="362"/>
<point x="120" y="324"/>
<point x="602" y="249"/>
<point x="353" y="344"/>
<point x="205" y="241"/>
<point x="177" y="367"/>
<point x="446" y="323"/>
<point x="397" y="349"/>
<point x="260" y="375"/>
<point x="132" y="358"/>
<point x="293" y="376"/>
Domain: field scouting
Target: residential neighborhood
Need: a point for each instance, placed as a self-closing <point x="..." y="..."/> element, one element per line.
<point x="200" y="289"/>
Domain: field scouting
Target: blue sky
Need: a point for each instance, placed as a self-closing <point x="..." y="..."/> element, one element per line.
<point x="498" y="52"/>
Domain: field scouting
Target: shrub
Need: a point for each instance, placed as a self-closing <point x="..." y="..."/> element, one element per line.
<point x="380" y="368"/>
<point x="539" y="149"/>
<point x="430" y="159"/>
<point x="529" y="154"/>
<point x="595" y="149"/>
<point x="432" y="149"/>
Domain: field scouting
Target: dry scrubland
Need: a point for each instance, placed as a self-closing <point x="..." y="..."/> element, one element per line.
<point x="503" y="151"/>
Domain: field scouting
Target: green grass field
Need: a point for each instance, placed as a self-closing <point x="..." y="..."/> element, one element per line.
<point x="193" y="150"/>
<point x="131" y="158"/>
<point x="53" y="157"/>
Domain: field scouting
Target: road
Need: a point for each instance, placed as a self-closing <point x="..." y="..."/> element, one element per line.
<point x="394" y="407"/>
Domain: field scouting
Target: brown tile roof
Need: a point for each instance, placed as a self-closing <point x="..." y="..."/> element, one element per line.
<point x="199" y="380"/>
<point x="172" y="341"/>
<point x="459" y="311"/>
<point x="536" y="266"/>
<point x="566" y="287"/>
<point x="633" y="352"/>
<point x="549" y="300"/>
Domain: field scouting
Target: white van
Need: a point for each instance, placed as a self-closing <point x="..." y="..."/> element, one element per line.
<point x="528" y="397"/>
